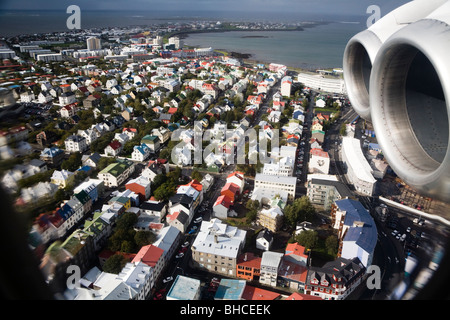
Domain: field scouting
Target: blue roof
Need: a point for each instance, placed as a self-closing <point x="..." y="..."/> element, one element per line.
<point x="365" y="237"/>
<point x="230" y="289"/>
<point x="355" y="212"/>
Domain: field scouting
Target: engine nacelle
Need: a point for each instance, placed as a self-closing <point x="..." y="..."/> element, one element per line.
<point x="362" y="49"/>
<point x="407" y="97"/>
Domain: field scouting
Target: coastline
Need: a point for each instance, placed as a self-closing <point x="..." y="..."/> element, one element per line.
<point x="247" y="59"/>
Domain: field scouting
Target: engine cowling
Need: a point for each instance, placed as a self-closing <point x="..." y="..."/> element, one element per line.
<point x="362" y="49"/>
<point x="407" y="96"/>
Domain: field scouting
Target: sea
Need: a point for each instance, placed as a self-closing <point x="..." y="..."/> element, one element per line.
<point x="320" y="46"/>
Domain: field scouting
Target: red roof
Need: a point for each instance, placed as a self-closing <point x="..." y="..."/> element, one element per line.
<point x="253" y="293"/>
<point x="224" y="201"/>
<point x="115" y="144"/>
<point x="238" y="174"/>
<point x="172" y="110"/>
<point x="149" y="255"/>
<point x="249" y="259"/>
<point x="301" y="296"/>
<point x="319" y="153"/>
<point x="295" y="249"/>
<point x="231" y="186"/>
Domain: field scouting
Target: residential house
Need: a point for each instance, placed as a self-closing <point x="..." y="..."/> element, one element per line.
<point x="75" y="143"/>
<point x="66" y="98"/>
<point x="153" y="257"/>
<point x="222" y="207"/>
<point x="68" y="111"/>
<point x="271" y="218"/>
<point x="116" y="173"/>
<point x="62" y="178"/>
<point x="141" y="186"/>
<point x="52" y="156"/>
<point x="248" y="266"/>
<point x="319" y="161"/>
<point x="140" y="152"/>
<point x="294" y="267"/>
<point x="336" y="279"/>
<point x="270" y="265"/>
<point x="264" y="240"/>
<point x="114" y="148"/>
<point x="152" y="142"/>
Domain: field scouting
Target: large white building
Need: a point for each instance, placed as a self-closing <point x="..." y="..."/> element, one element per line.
<point x="271" y="185"/>
<point x="217" y="247"/>
<point x="93" y="43"/>
<point x="320" y="82"/>
<point x="359" y="171"/>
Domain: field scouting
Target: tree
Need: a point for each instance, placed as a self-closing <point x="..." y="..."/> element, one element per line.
<point x="165" y="191"/>
<point x="331" y="244"/>
<point x="197" y="175"/>
<point x="308" y="239"/>
<point x="301" y="209"/>
<point x="143" y="238"/>
<point x="73" y="162"/>
<point x="114" y="264"/>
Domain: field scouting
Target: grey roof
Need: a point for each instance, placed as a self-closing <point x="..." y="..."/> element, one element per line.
<point x="343" y="190"/>
<point x="153" y="206"/>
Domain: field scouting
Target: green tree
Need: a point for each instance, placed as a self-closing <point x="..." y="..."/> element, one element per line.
<point x="114" y="264"/>
<point x="331" y="244"/>
<point x="197" y="175"/>
<point x="308" y="239"/>
<point x="73" y="162"/>
<point x="143" y="238"/>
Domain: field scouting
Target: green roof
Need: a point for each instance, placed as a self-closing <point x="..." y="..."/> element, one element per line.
<point x="117" y="168"/>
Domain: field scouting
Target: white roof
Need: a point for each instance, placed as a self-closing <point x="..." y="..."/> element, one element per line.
<point x="219" y="239"/>
<point x="352" y="150"/>
<point x="271" y="259"/>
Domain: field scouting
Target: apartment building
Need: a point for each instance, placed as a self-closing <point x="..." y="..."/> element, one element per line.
<point x="271" y="185"/>
<point x="217" y="247"/>
<point x="323" y="190"/>
<point x="116" y="173"/>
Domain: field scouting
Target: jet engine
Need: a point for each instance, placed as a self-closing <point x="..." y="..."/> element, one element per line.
<point x="397" y="75"/>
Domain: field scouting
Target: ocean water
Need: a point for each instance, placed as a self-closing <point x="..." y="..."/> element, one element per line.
<point x="319" y="47"/>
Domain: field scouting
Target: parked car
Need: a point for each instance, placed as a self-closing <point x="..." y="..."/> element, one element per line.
<point x="185" y="244"/>
<point x="198" y="220"/>
<point x="168" y="279"/>
<point x="179" y="255"/>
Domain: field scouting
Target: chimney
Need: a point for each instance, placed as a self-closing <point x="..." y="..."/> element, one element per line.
<point x="215" y="239"/>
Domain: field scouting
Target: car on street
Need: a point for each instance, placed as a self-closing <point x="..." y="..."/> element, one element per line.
<point x="185" y="244"/>
<point x="408" y="229"/>
<point x="179" y="255"/>
<point x="168" y="279"/>
<point x="198" y="220"/>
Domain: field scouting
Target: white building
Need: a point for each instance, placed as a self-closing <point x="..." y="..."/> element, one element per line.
<point x="273" y="185"/>
<point x="286" y="86"/>
<point x="270" y="264"/>
<point x="217" y="247"/>
<point x="319" y="161"/>
<point x="75" y="143"/>
<point x="359" y="171"/>
<point x="322" y="83"/>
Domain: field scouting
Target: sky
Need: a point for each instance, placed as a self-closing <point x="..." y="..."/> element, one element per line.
<point x="349" y="7"/>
